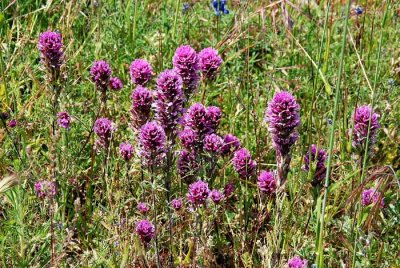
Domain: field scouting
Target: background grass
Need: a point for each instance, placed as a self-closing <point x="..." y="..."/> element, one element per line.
<point x="262" y="54"/>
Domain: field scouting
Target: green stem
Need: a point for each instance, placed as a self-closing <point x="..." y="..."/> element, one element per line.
<point x="320" y="235"/>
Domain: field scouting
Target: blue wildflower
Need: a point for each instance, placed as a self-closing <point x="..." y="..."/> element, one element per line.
<point x="220" y="7"/>
<point x="391" y="82"/>
<point x="359" y="10"/>
<point x="186" y="7"/>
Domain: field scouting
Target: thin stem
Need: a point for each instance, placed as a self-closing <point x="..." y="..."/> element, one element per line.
<point x="155" y="215"/>
<point x="320" y="238"/>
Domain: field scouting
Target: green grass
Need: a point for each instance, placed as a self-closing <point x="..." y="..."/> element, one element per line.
<point x="329" y="71"/>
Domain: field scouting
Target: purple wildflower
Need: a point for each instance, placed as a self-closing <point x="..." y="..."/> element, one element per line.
<point x="45" y="189"/>
<point x="360" y="131"/>
<point x="196" y="118"/>
<point x="297" y="262"/>
<point x="216" y="196"/>
<point x="372" y="196"/>
<point x="100" y="74"/>
<point x="186" y="64"/>
<point x="142" y="100"/>
<point x="13" y="123"/>
<point x="231" y="144"/>
<point x="320" y="168"/>
<point x="198" y="192"/>
<point x="187" y="166"/>
<point x="152" y="143"/>
<point x="169" y="101"/>
<point x="4" y="115"/>
<point x="143" y="208"/>
<point x="103" y="128"/>
<point x="188" y="138"/>
<point x="283" y="118"/>
<point x="229" y="189"/>
<point x="243" y="164"/>
<point x="213" y="143"/>
<point x="210" y="62"/>
<point x="266" y="182"/>
<point x="177" y="204"/>
<point x="145" y="230"/>
<point x="63" y="119"/>
<point x="116" y="83"/>
<point x="126" y="150"/>
<point x="50" y="47"/>
<point x="214" y="115"/>
<point x="141" y="72"/>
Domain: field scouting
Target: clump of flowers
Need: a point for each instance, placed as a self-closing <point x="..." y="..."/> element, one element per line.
<point x="145" y="230"/>
<point x="169" y="101"/>
<point x="243" y="164"/>
<point x="198" y="193"/>
<point x="143" y="208"/>
<point x="50" y="47"/>
<point x="214" y="115"/>
<point x="152" y="143"/>
<point x="297" y="262"/>
<point x="116" y="83"/>
<point x="231" y="144"/>
<point x="63" y="119"/>
<point x="266" y="182"/>
<point x="320" y="168"/>
<point x="13" y="123"/>
<point x="142" y="101"/>
<point x="372" y="196"/>
<point x="188" y="138"/>
<point x="210" y="62"/>
<point x="177" y="204"/>
<point x="186" y="64"/>
<point x="229" y="189"/>
<point x="141" y="72"/>
<point x="213" y="143"/>
<point x="100" y="74"/>
<point x="45" y="189"/>
<point x="283" y="119"/>
<point x="103" y="128"/>
<point x="187" y="166"/>
<point x="126" y="150"/>
<point x="216" y="196"/>
<point x="361" y="119"/>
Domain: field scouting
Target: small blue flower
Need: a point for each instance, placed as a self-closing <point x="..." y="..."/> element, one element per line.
<point x="391" y="82"/>
<point x="186" y="7"/>
<point x="329" y="121"/>
<point x="359" y="10"/>
<point x="220" y="7"/>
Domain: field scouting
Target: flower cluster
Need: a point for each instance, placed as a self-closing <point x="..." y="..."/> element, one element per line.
<point x="188" y="138"/>
<point x="126" y="151"/>
<point x="186" y="64"/>
<point x="229" y="189"/>
<point x="101" y="74"/>
<point x="213" y="143"/>
<point x="142" y="101"/>
<point x="141" y="72"/>
<point x="103" y="128"/>
<point x="216" y="196"/>
<point x="169" y="101"/>
<point x="297" y="262"/>
<point x="63" y="119"/>
<point x="177" y="204"/>
<point x="243" y="164"/>
<point x="361" y="118"/>
<point x="202" y="120"/>
<point x="50" y="47"/>
<point x="231" y="144"/>
<point x="116" y="83"/>
<point x="152" y="143"/>
<point x="320" y="168"/>
<point x="198" y="193"/>
<point x="283" y="118"/>
<point x="145" y="230"/>
<point x="45" y="189"/>
<point x="372" y="196"/>
<point x="266" y="182"/>
<point x="210" y="62"/>
<point x="143" y="208"/>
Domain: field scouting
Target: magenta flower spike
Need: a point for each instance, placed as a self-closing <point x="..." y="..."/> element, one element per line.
<point x="198" y="193"/>
<point x="210" y="62"/>
<point x="186" y="64"/>
<point x="243" y="164"/>
<point x="361" y="120"/>
<point x="50" y="47"/>
<point x="188" y="166"/>
<point x="142" y="101"/>
<point x="126" y="150"/>
<point x="297" y="262"/>
<point x="45" y="189"/>
<point x="372" y="196"/>
<point x="63" y="119"/>
<point x="141" y="72"/>
<point x="317" y="159"/>
<point x="266" y="182"/>
<point x="146" y="231"/>
<point x="152" y="144"/>
<point x="100" y="74"/>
